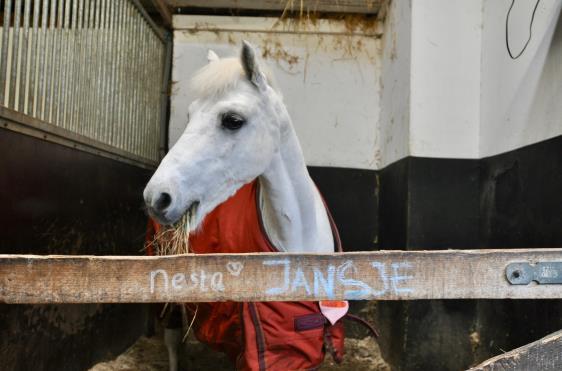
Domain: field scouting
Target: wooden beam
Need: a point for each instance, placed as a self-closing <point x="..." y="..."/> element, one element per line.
<point x="382" y="275"/>
<point x="544" y="354"/>
<point x="198" y="23"/>
<point x="164" y="11"/>
<point x="338" y="6"/>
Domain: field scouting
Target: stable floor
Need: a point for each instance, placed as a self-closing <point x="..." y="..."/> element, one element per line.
<point x="149" y="354"/>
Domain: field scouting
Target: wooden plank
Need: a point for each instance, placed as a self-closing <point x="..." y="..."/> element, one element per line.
<point x="198" y="23"/>
<point x="163" y="9"/>
<point x="544" y="354"/>
<point x="339" y="6"/>
<point x="382" y="275"/>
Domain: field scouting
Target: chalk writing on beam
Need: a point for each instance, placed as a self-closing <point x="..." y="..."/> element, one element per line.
<point x="286" y="277"/>
<point x="324" y="281"/>
<point x="396" y="278"/>
<point x="201" y="281"/>
<point x="234" y="268"/>
<point x="286" y="263"/>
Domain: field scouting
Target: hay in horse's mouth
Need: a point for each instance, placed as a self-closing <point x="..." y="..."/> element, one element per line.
<point x="174" y="239"/>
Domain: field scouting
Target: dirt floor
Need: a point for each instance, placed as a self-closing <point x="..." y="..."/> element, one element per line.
<point x="149" y="354"/>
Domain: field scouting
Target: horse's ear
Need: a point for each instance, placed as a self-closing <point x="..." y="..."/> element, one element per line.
<point x="212" y="56"/>
<point x="251" y="66"/>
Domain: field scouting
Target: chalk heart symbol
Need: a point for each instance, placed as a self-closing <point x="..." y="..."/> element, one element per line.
<point x="234" y="268"/>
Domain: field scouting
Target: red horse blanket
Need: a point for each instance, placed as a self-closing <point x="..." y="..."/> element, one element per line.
<point x="261" y="335"/>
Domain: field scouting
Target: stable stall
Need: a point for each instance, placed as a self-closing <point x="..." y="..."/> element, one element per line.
<point x="431" y="129"/>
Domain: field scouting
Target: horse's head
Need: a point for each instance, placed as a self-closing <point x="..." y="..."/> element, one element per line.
<point x="233" y="131"/>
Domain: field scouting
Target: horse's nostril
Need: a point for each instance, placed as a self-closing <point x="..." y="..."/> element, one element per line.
<point x="164" y="200"/>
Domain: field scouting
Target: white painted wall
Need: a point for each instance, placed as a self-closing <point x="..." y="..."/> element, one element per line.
<point x="329" y="79"/>
<point x="520" y="99"/>
<point x="394" y="122"/>
<point x="469" y="99"/>
<point x="438" y="83"/>
<point x="445" y="87"/>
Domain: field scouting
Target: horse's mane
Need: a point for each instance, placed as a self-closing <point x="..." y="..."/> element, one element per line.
<point x="220" y="75"/>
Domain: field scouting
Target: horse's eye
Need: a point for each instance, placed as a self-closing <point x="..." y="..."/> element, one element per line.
<point x="232" y="121"/>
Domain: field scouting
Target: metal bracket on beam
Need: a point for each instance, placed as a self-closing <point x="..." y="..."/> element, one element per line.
<point x="544" y="273"/>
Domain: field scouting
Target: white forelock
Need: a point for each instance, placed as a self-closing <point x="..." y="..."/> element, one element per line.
<point x="221" y="75"/>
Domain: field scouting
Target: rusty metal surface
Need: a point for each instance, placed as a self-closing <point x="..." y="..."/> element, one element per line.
<point x="94" y="68"/>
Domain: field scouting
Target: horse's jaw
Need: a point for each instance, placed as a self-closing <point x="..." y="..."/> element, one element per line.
<point x="195" y="198"/>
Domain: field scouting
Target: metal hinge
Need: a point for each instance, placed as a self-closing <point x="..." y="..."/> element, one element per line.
<point x="544" y="273"/>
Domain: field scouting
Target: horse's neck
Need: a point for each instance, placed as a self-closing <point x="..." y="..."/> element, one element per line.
<point x="293" y="212"/>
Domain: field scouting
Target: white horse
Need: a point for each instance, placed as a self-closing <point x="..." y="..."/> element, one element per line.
<point x="238" y="130"/>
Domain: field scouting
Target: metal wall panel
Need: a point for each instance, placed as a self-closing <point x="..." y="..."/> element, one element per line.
<point x="91" y="67"/>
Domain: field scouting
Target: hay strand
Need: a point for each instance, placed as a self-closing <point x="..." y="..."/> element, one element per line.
<point x="172" y="239"/>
